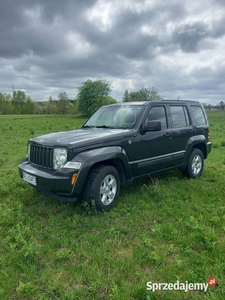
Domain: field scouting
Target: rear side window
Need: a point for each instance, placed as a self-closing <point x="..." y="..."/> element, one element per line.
<point x="179" y="116"/>
<point x="198" y="115"/>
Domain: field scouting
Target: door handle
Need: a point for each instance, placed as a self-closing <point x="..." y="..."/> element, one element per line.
<point x="167" y="134"/>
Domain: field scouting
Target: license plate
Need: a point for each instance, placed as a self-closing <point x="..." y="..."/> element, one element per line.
<point x="29" y="178"/>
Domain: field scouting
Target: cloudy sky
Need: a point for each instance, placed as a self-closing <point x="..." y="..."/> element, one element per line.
<point x="48" y="47"/>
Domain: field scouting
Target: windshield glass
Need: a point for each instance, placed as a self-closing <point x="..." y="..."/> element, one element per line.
<point x="116" y="116"/>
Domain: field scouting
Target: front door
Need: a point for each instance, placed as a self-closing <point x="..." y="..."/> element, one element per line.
<point x="153" y="150"/>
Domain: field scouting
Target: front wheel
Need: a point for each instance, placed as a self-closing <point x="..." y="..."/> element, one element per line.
<point x="195" y="164"/>
<point x="102" y="187"/>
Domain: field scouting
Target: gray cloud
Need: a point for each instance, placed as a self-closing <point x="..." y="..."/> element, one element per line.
<point x="49" y="47"/>
<point x="218" y="29"/>
<point x="189" y="35"/>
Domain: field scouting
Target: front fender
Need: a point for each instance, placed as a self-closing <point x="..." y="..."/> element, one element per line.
<point x="99" y="155"/>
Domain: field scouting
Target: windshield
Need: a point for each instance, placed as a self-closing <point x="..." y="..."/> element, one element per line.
<point x="116" y="116"/>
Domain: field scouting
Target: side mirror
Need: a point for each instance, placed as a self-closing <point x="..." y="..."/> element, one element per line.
<point x="152" y="126"/>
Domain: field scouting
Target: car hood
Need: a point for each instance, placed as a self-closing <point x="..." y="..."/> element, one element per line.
<point x="82" y="136"/>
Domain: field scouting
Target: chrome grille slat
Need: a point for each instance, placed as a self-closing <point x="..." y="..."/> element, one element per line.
<point x="41" y="156"/>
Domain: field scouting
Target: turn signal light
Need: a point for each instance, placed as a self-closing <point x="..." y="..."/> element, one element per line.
<point x="73" y="180"/>
<point x="208" y="135"/>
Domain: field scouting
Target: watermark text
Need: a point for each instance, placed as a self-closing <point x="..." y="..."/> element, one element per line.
<point x="177" y="286"/>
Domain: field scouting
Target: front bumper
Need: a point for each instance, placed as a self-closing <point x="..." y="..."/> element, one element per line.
<point x="56" y="184"/>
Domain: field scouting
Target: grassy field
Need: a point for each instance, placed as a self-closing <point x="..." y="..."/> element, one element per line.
<point x="163" y="229"/>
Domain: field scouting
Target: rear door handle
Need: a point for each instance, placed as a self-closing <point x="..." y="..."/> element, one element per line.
<point x="190" y="130"/>
<point x="167" y="134"/>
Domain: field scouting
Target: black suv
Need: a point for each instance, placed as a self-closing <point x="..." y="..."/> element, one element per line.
<point x="119" y="143"/>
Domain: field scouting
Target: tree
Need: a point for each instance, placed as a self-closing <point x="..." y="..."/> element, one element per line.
<point x="63" y="103"/>
<point x="5" y="104"/>
<point x="126" y="96"/>
<point x="50" y="106"/>
<point x="38" y="108"/>
<point x="150" y="94"/>
<point x="222" y="105"/>
<point x="136" y="96"/>
<point x="19" y="104"/>
<point x="108" y="100"/>
<point x="19" y="99"/>
<point x="29" y="106"/>
<point x="91" y="96"/>
<point x="143" y="94"/>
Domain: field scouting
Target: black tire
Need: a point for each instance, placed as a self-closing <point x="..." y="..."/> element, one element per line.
<point x="195" y="164"/>
<point x="103" y="187"/>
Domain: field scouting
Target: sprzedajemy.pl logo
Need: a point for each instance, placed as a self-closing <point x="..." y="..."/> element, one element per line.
<point x="181" y="286"/>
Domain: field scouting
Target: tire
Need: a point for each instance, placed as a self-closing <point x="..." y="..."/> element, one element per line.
<point x="103" y="187"/>
<point x="195" y="164"/>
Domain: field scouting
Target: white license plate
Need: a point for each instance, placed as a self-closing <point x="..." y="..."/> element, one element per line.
<point x="29" y="178"/>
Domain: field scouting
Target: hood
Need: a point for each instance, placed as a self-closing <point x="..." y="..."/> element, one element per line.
<point x="82" y="136"/>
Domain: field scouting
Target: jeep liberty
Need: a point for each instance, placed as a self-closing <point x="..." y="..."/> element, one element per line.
<point x="119" y="143"/>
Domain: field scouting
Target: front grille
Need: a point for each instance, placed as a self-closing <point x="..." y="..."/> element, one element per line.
<point x="41" y="156"/>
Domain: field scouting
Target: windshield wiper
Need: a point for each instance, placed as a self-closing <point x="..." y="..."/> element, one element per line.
<point x="88" y="126"/>
<point x="104" y="126"/>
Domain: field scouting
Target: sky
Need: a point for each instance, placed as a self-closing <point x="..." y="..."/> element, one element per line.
<point x="49" y="47"/>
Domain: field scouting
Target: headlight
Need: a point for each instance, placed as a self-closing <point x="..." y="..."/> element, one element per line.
<point x="59" y="158"/>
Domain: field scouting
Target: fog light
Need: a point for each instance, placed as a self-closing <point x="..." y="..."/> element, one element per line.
<point x="72" y="165"/>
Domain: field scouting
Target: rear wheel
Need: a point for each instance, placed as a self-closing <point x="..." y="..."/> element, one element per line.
<point x="102" y="187"/>
<point x="195" y="164"/>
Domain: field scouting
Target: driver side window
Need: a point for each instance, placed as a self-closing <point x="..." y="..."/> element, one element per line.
<point x="157" y="113"/>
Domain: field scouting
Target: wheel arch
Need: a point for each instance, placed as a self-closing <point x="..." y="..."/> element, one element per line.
<point x="194" y="166"/>
<point x="196" y="142"/>
<point x="102" y="187"/>
<point x="202" y="148"/>
<point x="118" y="164"/>
<point x="114" y="156"/>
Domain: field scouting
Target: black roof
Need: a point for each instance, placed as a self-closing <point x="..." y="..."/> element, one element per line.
<point x="155" y="102"/>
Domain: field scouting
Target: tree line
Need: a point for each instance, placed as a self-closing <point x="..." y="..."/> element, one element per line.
<point x="91" y="95"/>
<point x="20" y="103"/>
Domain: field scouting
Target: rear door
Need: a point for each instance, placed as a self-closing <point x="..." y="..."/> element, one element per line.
<point x="182" y="131"/>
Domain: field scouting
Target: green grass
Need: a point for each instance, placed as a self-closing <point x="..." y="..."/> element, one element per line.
<point x="163" y="229"/>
